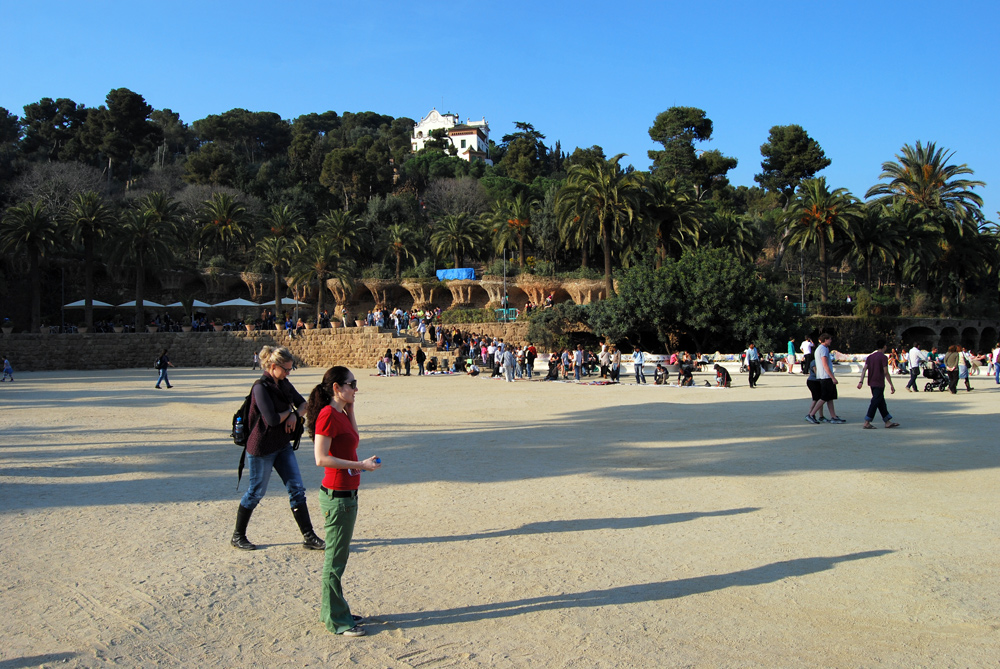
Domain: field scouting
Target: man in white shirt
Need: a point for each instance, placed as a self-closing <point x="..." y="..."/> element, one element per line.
<point x="827" y="381"/>
<point x="806" y="347"/>
<point x="913" y="359"/>
<point x="996" y="362"/>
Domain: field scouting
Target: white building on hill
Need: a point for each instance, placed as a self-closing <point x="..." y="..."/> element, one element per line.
<point x="471" y="139"/>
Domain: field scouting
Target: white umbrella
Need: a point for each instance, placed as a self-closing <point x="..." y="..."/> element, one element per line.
<point x="291" y="302"/>
<point x="145" y="303"/>
<point x="83" y="303"/>
<point x="238" y="302"/>
<point x="198" y="304"/>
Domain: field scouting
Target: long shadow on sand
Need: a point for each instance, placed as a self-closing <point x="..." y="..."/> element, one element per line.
<point x="550" y="526"/>
<point x="628" y="594"/>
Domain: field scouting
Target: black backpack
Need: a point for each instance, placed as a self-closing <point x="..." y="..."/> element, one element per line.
<point x="158" y="363"/>
<point x="241" y="440"/>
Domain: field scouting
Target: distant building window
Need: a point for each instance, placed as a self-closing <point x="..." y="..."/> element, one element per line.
<point x="420" y="133"/>
<point x="463" y="143"/>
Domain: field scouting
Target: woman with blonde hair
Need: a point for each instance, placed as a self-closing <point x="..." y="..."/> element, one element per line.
<point x="334" y="428"/>
<point x="273" y="425"/>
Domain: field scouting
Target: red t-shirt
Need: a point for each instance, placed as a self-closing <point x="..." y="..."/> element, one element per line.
<point x="877" y="364"/>
<point x="343" y="445"/>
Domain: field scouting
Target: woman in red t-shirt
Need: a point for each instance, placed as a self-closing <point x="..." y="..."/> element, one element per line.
<point x="335" y="436"/>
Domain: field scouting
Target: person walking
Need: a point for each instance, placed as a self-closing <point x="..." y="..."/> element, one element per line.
<point x="507" y="363"/>
<point x="161" y="364"/>
<point x="806" y="347"/>
<point x="616" y="364"/>
<point x="638" y="360"/>
<point x="827" y="381"/>
<point x="951" y="368"/>
<point x="996" y="362"/>
<point x="578" y="362"/>
<point x="964" y="367"/>
<point x="790" y="358"/>
<point x="913" y="359"/>
<point x="256" y="361"/>
<point x="877" y="368"/>
<point x="274" y="424"/>
<point x="753" y="364"/>
<point x="604" y="358"/>
<point x="421" y="357"/>
<point x="334" y="428"/>
<point x="529" y="359"/>
<point x="8" y="371"/>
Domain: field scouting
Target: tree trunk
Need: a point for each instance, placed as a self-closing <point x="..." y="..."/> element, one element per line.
<point x="399" y="258"/>
<point x="319" y="296"/>
<point x="88" y="281"/>
<point x="823" y="269"/>
<point x="277" y="293"/>
<point x="140" y="287"/>
<point x="36" y="291"/>
<point x="520" y="250"/>
<point x="608" y="284"/>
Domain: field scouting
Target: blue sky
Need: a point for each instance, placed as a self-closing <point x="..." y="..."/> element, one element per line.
<point x="862" y="78"/>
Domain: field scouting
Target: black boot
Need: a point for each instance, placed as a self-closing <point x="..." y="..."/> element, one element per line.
<point x="239" y="539"/>
<point x="309" y="538"/>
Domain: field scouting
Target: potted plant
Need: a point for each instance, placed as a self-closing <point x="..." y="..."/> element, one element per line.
<point x="186" y="324"/>
<point x="152" y="327"/>
<point x="44" y="329"/>
<point x="218" y="327"/>
<point x="81" y="327"/>
<point x="250" y="327"/>
<point x="119" y="325"/>
<point x="7" y="326"/>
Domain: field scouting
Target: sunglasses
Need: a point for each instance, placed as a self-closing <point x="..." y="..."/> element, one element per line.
<point x="352" y="384"/>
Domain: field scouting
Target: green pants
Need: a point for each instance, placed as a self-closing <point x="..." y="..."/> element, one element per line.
<point x="339" y="515"/>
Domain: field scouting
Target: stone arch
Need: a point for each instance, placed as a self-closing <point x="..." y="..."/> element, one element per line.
<point x="987" y="340"/>
<point x="924" y="336"/>
<point x="970" y="337"/>
<point x="949" y="336"/>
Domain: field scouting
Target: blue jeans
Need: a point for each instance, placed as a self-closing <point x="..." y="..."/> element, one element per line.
<point x="527" y="368"/>
<point x="640" y="375"/>
<point x="997" y="369"/>
<point x="878" y="403"/>
<point x="163" y="377"/>
<point x="286" y="465"/>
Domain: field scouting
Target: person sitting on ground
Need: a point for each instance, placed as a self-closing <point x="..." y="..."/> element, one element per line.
<point x="553" y="374"/>
<point x="473" y="368"/>
<point x="686" y="376"/>
<point x="660" y="374"/>
<point x="722" y="377"/>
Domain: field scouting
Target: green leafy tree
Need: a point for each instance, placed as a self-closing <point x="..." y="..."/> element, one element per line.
<point x="89" y="219"/>
<point x="874" y="238"/>
<point x="675" y="214"/>
<point x="28" y="228"/>
<point x="275" y="253"/>
<point x="121" y="129"/>
<point x="677" y="129"/>
<point x="603" y="198"/>
<point x="283" y="221"/>
<point x="457" y="235"/>
<point x="524" y="155"/>
<point x="790" y="157"/>
<point x="707" y="298"/>
<point x="820" y="218"/>
<point x="52" y="129"/>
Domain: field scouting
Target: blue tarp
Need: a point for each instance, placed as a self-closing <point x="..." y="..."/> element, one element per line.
<point x="460" y="273"/>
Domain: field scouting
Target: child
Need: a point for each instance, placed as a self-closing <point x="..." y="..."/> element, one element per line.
<point x="7" y="370"/>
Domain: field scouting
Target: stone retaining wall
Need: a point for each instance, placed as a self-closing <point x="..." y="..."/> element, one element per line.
<point x="353" y="347"/>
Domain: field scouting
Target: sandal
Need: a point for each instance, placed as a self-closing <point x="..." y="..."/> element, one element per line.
<point x="891" y="425"/>
<point x="868" y="426"/>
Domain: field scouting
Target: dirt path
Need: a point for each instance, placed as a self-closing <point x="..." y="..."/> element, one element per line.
<point x="535" y="523"/>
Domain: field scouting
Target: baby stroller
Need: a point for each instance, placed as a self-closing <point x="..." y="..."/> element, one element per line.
<point x="938" y="379"/>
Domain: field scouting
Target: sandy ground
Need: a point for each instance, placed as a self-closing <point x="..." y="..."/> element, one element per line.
<point x="542" y="524"/>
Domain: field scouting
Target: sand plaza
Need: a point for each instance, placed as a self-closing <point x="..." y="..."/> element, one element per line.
<point x="534" y="523"/>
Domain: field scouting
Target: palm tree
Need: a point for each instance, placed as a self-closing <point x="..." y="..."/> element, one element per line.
<point x="399" y="239"/>
<point x="283" y="221"/>
<point x="921" y="237"/>
<point x="511" y="223"/>
<point x="143" y="241"/>
<point x="874" y="237"/>
<point x="675" y="214"/>
<point x="322" y="258"/>
<point x="739" y="233"/>
<point x="457" y="235"/>
<point x="820" y="217"/>
<point x="223" y="221"/>
<point x="28" y="228"/>
<point x="89" y="219"/>
<point x="341" y="227"/>
<point x="603" y="197"/>
<point x="922" y="176"/>
<point x="276" y="253"/>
